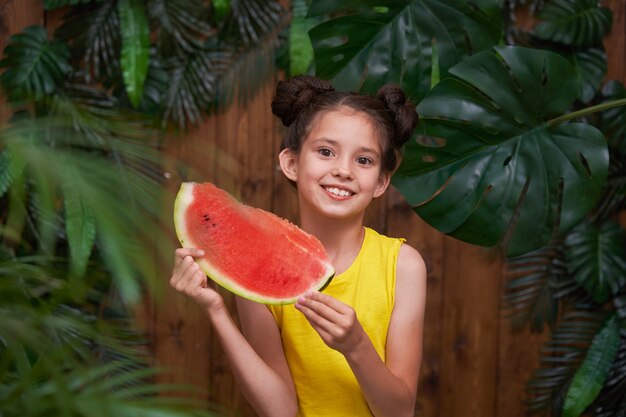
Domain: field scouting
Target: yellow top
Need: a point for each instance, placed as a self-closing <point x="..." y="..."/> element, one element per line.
<point x="325" y="385"/>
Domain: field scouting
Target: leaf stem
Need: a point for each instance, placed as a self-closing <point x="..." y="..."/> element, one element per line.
<point x="586" y="111"/>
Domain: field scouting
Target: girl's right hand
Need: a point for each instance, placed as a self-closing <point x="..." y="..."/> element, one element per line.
<point x="189" y="279"/>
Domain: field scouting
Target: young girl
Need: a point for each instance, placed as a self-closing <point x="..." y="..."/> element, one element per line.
<point x="355" y="348"/>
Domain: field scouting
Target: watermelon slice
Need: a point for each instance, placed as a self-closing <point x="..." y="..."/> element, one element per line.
<point x="249" y="251"/>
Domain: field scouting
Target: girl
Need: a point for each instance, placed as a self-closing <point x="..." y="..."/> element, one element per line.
<point x="355" y="349"/>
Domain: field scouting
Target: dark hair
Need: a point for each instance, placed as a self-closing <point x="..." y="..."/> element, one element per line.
<point x="299" y="100"/>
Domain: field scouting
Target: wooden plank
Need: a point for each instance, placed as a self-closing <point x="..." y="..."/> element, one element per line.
<point x="615" y="41"/>
<point x="180" y="330"/>
<point x="519" y="353"/>
<point x="471" y="296"/>
<point x="403" y="222"/>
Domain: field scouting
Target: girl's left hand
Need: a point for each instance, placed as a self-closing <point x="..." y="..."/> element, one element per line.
<point x="335" y="321"/>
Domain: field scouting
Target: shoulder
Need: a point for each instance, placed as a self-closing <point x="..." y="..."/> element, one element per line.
<point x="410" y="276"/>
<point x="410" y="261"/>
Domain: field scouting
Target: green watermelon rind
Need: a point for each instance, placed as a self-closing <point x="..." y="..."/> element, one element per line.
<point x="183" y="200"/>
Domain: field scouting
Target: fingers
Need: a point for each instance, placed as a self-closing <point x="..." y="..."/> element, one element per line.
<point x="330" y="317"/>
<point x="181" y="253"/>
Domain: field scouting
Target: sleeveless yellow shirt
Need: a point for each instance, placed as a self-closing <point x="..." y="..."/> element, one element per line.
<point x="325" y="384"/>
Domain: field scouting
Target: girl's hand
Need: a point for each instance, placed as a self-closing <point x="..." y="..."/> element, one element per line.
<point x="189" y="279"/>
<point x="335" y="321"/>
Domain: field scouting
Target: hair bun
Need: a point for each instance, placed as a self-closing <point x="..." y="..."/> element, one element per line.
<point x="403" y="111"/>
<point x="294" y="95"/>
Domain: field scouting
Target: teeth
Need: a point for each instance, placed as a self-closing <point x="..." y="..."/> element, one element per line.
<point x="337" y="191"/>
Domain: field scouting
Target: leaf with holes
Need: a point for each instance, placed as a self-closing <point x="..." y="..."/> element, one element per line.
<point x="595" y="257"/>
<point x="486" y="166"/>
<point x="372" y="45"/>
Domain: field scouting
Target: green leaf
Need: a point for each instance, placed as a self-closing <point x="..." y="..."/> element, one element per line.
<point x="590" y="377"/>
<point x="192" y="86"/>
<point x="300" y="47"/>
<point x="55" y="4"/>
<point x="35" y="66"/>
<point x="371" y="45"/>
<point x="181" y="24"/>
<point x="612" y="402"/>
<point x="536" y="280"/>
<point x="135" y="47"/>
<point x="591" y="68"/>
<point x="93" y="32"/>
<point x="249" y="21"/>
<point x="561" y="355"/>
<point x="595" y="257"/>
<point x="222" y="8"/>
<point x="485" y="167"/>
<point x="613" y="121"/>
<point x="574" y="22"/>
<point x="80" y="227"/>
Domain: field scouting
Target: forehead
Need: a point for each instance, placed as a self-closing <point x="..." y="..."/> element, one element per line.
<point x="345" y="123"/>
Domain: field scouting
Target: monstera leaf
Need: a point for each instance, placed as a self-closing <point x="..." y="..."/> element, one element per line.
<point x="574" y="22"/>
<point x="371" y="45"/>
<point x="487" y="166"/>
<point x="613" y="121"/>
<point x="595" y="257"/>
<point x="591" y="68"/>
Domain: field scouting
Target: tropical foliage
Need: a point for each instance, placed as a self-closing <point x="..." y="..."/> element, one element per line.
<point x="81" y="175"/>
<point x="520" y="146"/>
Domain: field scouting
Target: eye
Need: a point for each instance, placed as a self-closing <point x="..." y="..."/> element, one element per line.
<point x="325" y="152"/>
<point x="364" y="160"/>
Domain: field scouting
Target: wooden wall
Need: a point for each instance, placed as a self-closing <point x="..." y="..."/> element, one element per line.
<point x="474" y="364"/>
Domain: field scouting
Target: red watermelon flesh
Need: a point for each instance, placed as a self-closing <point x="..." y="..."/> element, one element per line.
<point x="249" y="251"/>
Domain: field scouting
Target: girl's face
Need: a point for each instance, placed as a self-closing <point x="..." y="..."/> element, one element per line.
<point x="338" y="169"/>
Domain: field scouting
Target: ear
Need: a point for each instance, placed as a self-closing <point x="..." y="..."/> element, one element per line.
<point x="289" y="164"/>
<point x="383" y="183"/>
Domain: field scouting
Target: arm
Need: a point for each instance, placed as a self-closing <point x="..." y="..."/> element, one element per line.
<point x="389" y="388"/>
<point x="262" y="374"/>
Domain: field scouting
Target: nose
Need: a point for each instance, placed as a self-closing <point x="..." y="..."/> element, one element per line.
<point x="342" y="168"/>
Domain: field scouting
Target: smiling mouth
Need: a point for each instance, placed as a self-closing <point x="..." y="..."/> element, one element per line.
<point x="338" y="192"/>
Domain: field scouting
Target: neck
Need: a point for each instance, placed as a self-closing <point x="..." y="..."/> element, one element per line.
<point x="341" y="238"/>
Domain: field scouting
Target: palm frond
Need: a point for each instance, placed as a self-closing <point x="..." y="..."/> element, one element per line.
<point x="251" y="20"/>
<point x="35" y="66"/>
<point x="93" y="34"/>
<point x="192" y="85"/>
<point x="181" y="25"/>
<point x="561" y="356"/>
<point x="56" y="4"/>
<point x="530" y="295"/>
<point x="100" y="180"/>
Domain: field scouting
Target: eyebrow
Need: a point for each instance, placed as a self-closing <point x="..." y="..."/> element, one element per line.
<point x="334" y="142"/>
